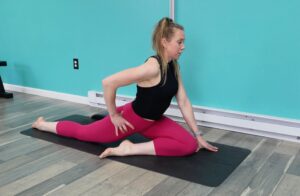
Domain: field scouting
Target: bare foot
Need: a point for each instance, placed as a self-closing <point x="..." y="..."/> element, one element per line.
<point x="38" y="122"/>
<point x="123" y="149"/>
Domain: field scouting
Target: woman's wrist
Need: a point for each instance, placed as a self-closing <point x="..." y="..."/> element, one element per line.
<point x="198" y="133"/>
<point x="113" y="114"/>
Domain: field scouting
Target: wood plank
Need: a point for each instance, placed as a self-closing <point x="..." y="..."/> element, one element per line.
<point x="31" y="167"/>
<point x="18" y="149"/>
<point x="269" y="175"/>
<point x="66" y="177"/>
<point x="237" y="182"/>
<point x="194" y="189"/>
<point x="87" y="182"/>
<point x="18" y="101"/>
<point x="169" y="186"/>
<point x="38" y="103"/>
<point x="240" y="140"/>
<point x="295" y="165"/>
<point x="116" y="182"/>
<point x="79" y="157"/>
<point x="288" y="186"/>
<point x="4" y="142"/>
<point x="213" y="135"/>
<point x="26" y="158"/>
<point x="142" y="184"/>
<point x="286" y="147"/>
<point x="35" y="178"/>
<point x="12" y="144"/>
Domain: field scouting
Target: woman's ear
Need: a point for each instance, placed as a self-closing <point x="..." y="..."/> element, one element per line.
<point x="164" y="42"/>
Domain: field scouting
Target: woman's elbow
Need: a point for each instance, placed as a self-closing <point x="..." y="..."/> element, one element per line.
<point x="106" y="83"/>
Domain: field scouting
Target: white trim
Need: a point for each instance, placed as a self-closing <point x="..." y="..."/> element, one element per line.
<point x="172" y="9"/>
<point x="47" y="93"/>
<point x="252" y="132"/>
<point x="262" y="125"/>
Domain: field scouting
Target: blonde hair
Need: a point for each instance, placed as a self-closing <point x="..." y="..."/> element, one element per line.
<point x="165" y="29"/>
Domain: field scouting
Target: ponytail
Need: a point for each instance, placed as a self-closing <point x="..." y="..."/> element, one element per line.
<point x="165" y="29"/>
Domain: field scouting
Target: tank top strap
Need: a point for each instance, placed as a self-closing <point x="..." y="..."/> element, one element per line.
<point x="158" y="59"/>
<point x="160" y="66"/>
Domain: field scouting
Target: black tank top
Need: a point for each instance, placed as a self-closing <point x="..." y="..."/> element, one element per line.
<point x="152" y="102"/>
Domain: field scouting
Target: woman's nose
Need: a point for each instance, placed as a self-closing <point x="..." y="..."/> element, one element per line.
<point x="182" y="47"/>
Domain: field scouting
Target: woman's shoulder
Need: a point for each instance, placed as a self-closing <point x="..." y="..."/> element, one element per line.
<point x="152" y="65"/>
<point x="154" y="58"/>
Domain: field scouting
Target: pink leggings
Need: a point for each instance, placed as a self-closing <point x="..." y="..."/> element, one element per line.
<point x="169" y="138"/>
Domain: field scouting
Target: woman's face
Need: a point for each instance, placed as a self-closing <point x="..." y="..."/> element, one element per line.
<point x="174" y="47"/>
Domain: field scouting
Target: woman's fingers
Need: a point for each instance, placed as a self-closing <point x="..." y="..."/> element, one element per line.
<point x="206" y="145"/>
<point x="116" y="130"/>
<point x="212" y="148"/>
<point x="123" y="128"/>
<point x="121" y="124"/>
<point x="129" y="125"/>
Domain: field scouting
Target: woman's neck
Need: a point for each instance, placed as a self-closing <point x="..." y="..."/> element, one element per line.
<point x="169" y="59"/>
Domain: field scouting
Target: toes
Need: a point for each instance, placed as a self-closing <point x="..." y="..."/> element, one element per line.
<point x="40" y="118"/>
<point x="122" y="150"/>
<point x="106" y="153"/>
<point x="34" y="125"/>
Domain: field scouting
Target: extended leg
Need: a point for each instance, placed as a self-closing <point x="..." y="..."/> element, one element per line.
<point x="103" y="131"/>
<point x="43" y="125"/>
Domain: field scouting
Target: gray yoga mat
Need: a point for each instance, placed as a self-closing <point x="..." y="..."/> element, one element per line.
<point x="204" y="167"/>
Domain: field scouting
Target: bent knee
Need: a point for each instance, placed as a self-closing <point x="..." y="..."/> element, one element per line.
<point x="188" y="147"/>
<point x="191" y="146"/>
<point x="169" y="147"/>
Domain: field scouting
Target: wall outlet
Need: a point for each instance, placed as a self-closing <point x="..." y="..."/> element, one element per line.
<point x="75" y="63"/>
<point x="3" y="63"/>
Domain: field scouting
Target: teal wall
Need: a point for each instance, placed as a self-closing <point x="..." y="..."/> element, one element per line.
<point x="40" y="38"/>
<point x="240" y="55"/>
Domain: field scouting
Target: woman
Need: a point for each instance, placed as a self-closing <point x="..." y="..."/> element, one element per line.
<point x="158" y="81"/>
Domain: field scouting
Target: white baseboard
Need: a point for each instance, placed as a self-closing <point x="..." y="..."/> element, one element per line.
<point x="47" y="93"/>
<point x="262" y="125"/>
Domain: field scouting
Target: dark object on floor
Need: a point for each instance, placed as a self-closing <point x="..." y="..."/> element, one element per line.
<point x="99" y="116"/>
<point x="203" y="167"/>
<point x="4" y="94"/>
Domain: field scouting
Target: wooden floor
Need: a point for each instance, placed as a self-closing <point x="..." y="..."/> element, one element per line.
<point x="29" y="166"/>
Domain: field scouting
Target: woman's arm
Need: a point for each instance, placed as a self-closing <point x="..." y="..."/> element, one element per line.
<point x="186" y="109"/>
<point x="110" y="85"/>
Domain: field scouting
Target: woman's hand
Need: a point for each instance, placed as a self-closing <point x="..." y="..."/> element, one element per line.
<point x="120" y="123"/>
<point x="204" y="144"/>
